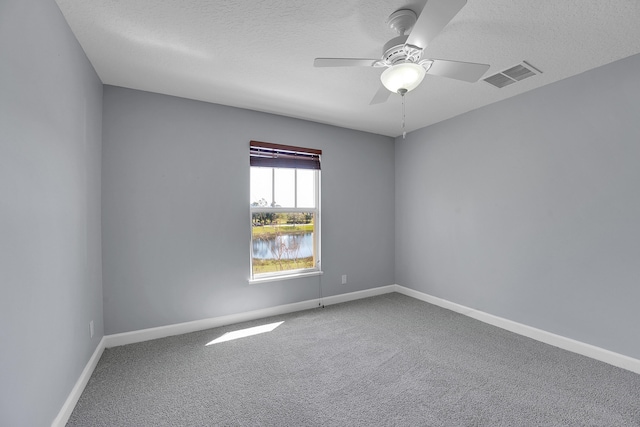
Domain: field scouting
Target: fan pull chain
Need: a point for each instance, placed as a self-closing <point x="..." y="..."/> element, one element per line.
<point x="404" y="130"/>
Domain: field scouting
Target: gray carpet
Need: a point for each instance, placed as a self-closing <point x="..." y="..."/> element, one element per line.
<point x="384" y="361"/>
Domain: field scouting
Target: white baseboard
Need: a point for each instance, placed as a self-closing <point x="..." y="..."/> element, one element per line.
<point x="115" y="340"/>
<point x="78" y="388"/>
<point x="615" y="359"/>
<point x="352" y="296"/>
<point x="214" y="322"/>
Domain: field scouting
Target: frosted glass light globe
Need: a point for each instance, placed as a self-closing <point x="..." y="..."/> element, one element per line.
<point x="406" y="76"/>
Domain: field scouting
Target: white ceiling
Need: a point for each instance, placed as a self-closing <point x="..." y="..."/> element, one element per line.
<point x="258" y="54"/>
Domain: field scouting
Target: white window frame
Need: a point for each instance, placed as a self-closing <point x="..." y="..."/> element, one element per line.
<point x="297" y="273"/>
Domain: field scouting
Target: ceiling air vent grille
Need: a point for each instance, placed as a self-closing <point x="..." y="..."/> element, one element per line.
<point x="499" y="80"/>
<point x="512" y="75"/>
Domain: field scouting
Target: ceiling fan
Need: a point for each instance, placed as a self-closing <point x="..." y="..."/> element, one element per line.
<point x="403" y="57"/>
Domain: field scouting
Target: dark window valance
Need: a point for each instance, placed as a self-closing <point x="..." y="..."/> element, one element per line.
<point x="267" y="154"/>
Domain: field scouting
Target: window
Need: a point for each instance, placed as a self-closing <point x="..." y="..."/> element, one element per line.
<point x="285" y="210"/>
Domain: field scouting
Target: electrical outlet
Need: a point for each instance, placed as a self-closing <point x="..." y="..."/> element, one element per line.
<point x="344" y="279"/>
<point x="91" y="328"/>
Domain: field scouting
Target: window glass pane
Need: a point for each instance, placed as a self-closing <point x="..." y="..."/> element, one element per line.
<point x="284" y="243"/>
<point x="284" y="186"/>
<point x="306" y="188"/>
<point x="261" y="186"/>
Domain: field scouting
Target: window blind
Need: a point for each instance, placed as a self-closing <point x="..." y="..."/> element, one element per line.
<point x="267" y="154"/>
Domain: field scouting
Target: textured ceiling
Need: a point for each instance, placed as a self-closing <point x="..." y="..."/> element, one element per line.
<point x="259" y="54"/>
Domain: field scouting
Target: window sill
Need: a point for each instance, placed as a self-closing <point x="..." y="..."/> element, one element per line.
<point x="286" y="277"/>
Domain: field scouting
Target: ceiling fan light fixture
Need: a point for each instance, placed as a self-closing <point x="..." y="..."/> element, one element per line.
<point x="405" y="76"/>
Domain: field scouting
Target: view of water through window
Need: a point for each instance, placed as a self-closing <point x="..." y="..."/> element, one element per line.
<point x="282" y="241"/>
<point x="284" y="219"/>
<point x="267" y="248"/>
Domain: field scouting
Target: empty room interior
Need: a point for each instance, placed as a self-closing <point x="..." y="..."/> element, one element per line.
<point x="426" y="212"/>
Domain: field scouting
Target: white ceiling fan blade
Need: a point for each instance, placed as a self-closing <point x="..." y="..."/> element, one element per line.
<point x="433" y="18"/>
<point x="381" y="96"/>
<point x="344" y="62"/>
<point x="466" y="71"/>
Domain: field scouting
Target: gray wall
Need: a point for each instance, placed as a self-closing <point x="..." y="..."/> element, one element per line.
<point x="529" y="209"/>
<point x="50" y="256"/>
<point x="176" y="209"/>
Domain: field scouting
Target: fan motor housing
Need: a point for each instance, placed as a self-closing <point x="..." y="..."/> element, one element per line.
<point x="396" y="51"/>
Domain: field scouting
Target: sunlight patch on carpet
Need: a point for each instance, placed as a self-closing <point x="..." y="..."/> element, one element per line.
<point x="242" y="333"/>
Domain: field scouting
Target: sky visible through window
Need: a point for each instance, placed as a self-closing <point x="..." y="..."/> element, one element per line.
<point x="283" y="239"/>
<point x="283" y="183"/>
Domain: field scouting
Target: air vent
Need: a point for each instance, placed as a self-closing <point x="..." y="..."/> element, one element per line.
<point x="499" y="80"/>
<point x="512" y="75"/>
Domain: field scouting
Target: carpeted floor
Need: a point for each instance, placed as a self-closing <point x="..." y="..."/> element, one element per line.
<point x="389" y="360"/>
